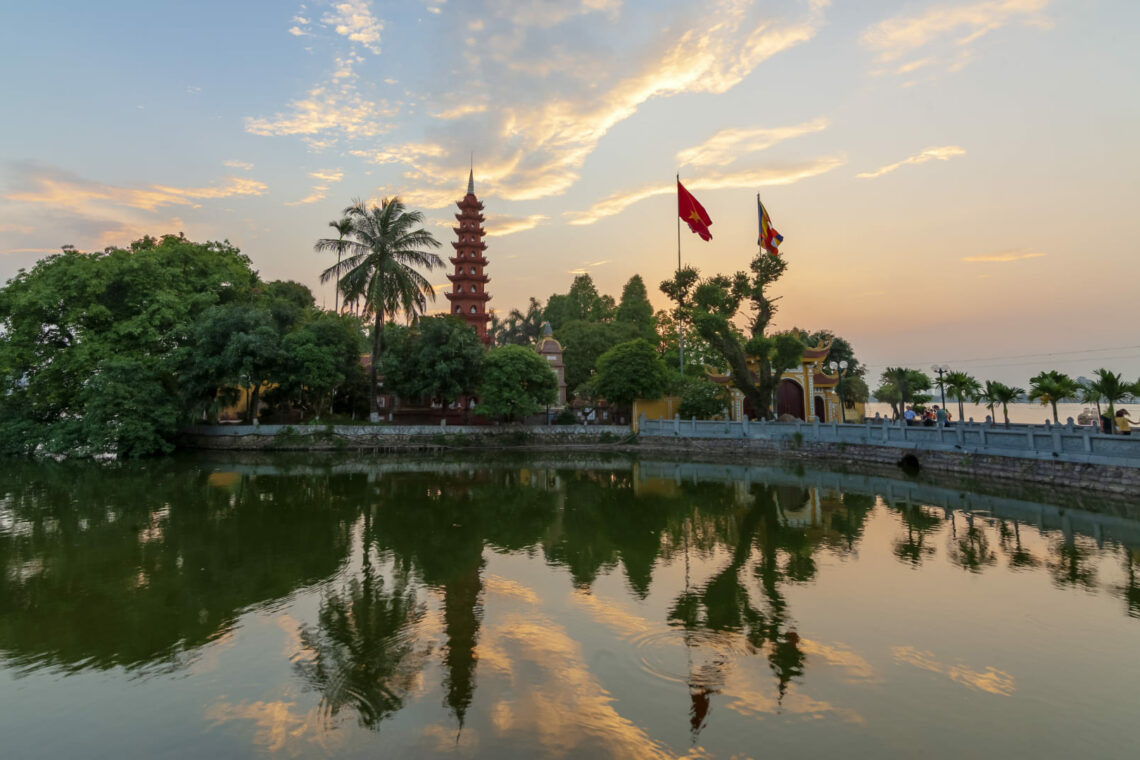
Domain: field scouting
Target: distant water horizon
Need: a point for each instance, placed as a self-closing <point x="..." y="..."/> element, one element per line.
<point x="1024" y="412"/>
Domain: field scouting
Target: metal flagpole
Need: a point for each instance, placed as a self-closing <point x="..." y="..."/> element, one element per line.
<point x="680" y="316"/>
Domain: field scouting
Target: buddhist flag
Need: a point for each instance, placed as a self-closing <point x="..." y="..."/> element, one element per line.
<point x="769" y="239"/>
<point x="694" y="214"/>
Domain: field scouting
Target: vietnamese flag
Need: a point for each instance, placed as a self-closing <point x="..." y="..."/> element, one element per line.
<point x="694" y="214"/>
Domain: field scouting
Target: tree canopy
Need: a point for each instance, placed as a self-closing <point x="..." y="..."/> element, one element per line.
<point x="712" y="305"/>
<point x="630" y="371"/>
<point x="516" y="382"/>
<point x="437" y="357"/>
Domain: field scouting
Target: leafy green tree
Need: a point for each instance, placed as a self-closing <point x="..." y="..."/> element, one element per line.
<point x="712" y="305"/>
<point x="961" y="386"/>
<point x="900" y="386"/>
<point x="634" y="313"/>
<point x="235" y="345"/>
<point x="582" y="303"/>
<point x="438" y="357"/>
<point x="516" y="382"/>
<point x="630" y="371"/>
<point x="386" y="247"/>
<point x="582" y="344"/>
<point x="90" y="339"/>
<point x="699" y="353"/>
<point x="320" y="357"/>
<point x="700" y="397"/>
<point x="1051" y="386"/>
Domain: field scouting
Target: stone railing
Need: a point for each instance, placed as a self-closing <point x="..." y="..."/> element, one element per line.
<point x="1057" y="442"/>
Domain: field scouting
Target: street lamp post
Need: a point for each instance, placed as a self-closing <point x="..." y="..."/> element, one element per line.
<point x="941" y="369"/>
<point x="840" y="369"/>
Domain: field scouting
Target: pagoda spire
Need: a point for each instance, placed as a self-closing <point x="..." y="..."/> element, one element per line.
<point x="469" y="294"/>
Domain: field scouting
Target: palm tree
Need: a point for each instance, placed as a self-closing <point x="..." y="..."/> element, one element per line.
<point x="1088" y="394"/>
<point x="1111" y="387"/>
<point x="987" y="395"/>
<point x="386" y="246"/>
<point x="961" y="386"/>
<point x="342" y="227"/>
<point x="1052" y="386"/>
<point x="995" y="393"/>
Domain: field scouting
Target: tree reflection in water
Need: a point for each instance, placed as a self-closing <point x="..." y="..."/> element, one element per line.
<point x="363" y="651"/>
<point x="142" y="567"/>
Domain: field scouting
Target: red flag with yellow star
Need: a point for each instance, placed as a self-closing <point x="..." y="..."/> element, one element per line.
<point x="693" y="212"/>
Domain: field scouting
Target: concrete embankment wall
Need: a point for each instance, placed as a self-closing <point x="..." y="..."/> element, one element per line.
<point x="399" y="437"/>
<point x="1100" y="478"/>
<point x="1055" y="455"/>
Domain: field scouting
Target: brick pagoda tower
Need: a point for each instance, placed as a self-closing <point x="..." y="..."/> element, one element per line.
<point x="468" y="294"/>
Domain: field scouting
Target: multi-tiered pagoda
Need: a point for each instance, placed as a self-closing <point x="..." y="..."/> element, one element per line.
<point x="468" y="294"/>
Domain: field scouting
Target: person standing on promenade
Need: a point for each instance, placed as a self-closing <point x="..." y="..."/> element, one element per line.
<point x="1122" y="422"/>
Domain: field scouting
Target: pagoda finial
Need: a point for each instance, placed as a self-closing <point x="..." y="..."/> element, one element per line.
<point x="471" y="176"/>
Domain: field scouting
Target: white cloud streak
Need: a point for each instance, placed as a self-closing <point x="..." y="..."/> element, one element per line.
<point x="954" y="27"/>
<point x="943" y="153"/>
<point x="1016" y="254"/>
<point x="730" y="144"/>
<point x="325" y="179"/>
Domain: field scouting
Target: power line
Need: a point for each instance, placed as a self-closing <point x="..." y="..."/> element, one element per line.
<point x="1034" y="357"/>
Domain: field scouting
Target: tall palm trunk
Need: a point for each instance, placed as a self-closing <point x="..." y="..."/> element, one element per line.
<point x="377" y="344"/>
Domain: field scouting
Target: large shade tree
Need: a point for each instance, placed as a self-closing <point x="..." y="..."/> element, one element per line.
<point x="712" y="305"/>
<point x="383" y="254"/>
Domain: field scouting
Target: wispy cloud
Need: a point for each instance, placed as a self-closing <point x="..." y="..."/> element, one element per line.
<point x="501" y="225"/>
<point x="330" y="110"/>
<point x="749" y="178"/>
<point x="556" y="99"/>
<point x="325" y="179"/>
<point x="943" y="153"/>
<point x="234" y="164"/>
<point x="69" y="192"/>
<point x="585" y="268"/>
<point x="1016" y="254"/>
<point x="950" y="29"/>
<point x="353" y="19"/>
<point x="548" y="13"/>
<point x="728" y="145"/>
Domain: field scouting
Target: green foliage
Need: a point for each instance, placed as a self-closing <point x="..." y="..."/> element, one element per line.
<point x="377" y="264"/>
<point x="234" y="345"/>
<point x="700" y="397"/>
<point x="635" y="313"/>
<point x="1051" y="386"/>
<point x="1110" y="387"/>
<point x="994" y="393"/>
<point x="699" y="353"/>
<point x="519" y="328"/>
<point x="583" y="303"/>
<point x="438" y="357"/>
<point x="320" y="357"/>
<point x="516" y="382"/>
<point x="757" y="361"/>
<point x="582" y="344"/>
<point x="88" y="364"/>
<point x="630" y="371"/>
<point x="901" y="387"/>
<point x="963" y="387"/>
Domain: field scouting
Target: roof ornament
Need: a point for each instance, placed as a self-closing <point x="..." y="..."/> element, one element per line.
<point x="471" y="176"/>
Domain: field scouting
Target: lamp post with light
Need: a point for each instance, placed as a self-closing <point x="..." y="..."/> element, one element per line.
<point x="941" y="369"/>
<point x="840" y="369"/>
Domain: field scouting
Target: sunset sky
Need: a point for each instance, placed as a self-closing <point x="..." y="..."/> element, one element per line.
<point x="955" y="181"/>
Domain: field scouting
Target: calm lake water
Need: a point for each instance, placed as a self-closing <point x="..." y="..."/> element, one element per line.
<point x="535" y="607"/>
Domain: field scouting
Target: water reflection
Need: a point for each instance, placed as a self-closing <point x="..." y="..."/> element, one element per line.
<point x="141" y="567"/>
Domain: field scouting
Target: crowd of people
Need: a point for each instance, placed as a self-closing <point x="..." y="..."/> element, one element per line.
<point x="929" y="416"/>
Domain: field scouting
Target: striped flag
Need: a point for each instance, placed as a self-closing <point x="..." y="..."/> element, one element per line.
<point x="769" y="239"/>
